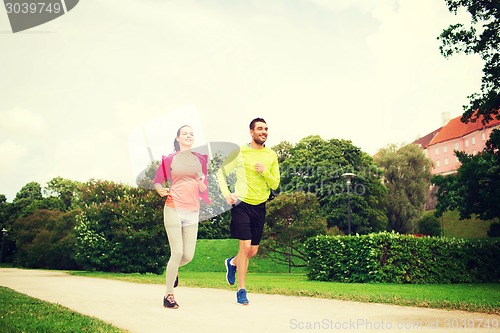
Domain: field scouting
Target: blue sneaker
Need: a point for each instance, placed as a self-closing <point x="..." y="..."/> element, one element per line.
<point x="241" y="297"/>
<point x="230" y="271"/>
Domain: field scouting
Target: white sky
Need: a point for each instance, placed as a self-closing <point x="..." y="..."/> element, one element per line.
<point x="80" y="95"/>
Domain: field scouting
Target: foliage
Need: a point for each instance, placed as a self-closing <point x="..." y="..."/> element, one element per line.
<point x="475" y="189"/>
<point x="120" y="229"/>
<point x="482" y="38"/>
<point x="291" y="219"/>
<point x="282" y="150"/>
<point x="45" y="239"/>
<point x="494" y="230"/>
<point x="316" y="166"/>
<point x="67" y="191"/>
<point x="407" y="177"/>
<point x="394" y="258"/>
<point x="215" y="218"/>
<point x="146" y="178"/>
<point x="429" y="225"/>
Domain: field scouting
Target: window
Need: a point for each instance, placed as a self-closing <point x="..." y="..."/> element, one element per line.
<point x="467" y="143"/>
<point x="473" y="140"/>
<point x="437" y="151"/>
<point x="483" y="136"/>
<point x="438" y="164"/>
<point x="445" y="149"/>
<point x="445" y="161"/>
<point x="456" y="146"/>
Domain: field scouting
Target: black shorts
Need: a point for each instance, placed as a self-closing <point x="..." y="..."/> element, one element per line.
<point x="247" y="221"/>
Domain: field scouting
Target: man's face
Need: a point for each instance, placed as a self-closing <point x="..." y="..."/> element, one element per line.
<point x="259" y="133"/>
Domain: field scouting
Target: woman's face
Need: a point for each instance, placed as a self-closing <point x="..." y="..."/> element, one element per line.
<point x="186" y="137"/>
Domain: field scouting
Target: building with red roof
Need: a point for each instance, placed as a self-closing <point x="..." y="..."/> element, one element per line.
<point x="441" y="144"/>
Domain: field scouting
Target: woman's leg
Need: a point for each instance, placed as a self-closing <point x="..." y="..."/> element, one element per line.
<point x="189" y="222"/>
<point x="175" y="241"/>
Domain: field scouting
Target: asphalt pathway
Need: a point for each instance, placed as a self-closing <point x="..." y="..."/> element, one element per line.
<point x="139" y="308"/>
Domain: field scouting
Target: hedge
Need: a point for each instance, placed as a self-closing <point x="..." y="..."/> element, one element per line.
<point x="394" y="258"/>
<point x="120" y="229"/>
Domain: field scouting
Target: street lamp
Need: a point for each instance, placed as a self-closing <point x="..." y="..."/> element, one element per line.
<point x="4" y="233"/>
<point x="348" y="176"/>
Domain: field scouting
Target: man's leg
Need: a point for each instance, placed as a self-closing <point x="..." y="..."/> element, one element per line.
<point x="245" y="252"/>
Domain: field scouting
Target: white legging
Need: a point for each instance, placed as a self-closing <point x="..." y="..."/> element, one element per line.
<point x="182" y="231"/>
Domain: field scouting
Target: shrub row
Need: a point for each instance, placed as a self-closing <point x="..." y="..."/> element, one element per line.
<point x="393" y="258"/>
<point x="120" y="229"/>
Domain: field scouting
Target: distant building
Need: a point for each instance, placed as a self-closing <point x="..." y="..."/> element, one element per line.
<point x="440" y="145"/>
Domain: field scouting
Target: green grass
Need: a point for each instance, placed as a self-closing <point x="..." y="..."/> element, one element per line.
<point x="207" y="271"/>
<point x="21" y="313"/>
<point x="470" y="228"/>
<point x="211" y="253"/>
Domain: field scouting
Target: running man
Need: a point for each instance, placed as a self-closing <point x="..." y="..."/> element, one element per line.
<point x="257" y="172"/>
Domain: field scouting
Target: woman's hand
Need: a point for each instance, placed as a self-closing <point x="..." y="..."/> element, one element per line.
<point x="162" y="191"/>
<point x="201" y="182"/>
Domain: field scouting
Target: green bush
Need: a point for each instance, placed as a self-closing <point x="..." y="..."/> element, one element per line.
<point x="429" y="225"/>
<point x="394" y="258"/>
<point x="121" y="229"/>
<point x="45" y="239"/>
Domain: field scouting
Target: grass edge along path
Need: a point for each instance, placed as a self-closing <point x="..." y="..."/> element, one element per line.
<point x="23" y="313"/>
<point x="482" y="298"/>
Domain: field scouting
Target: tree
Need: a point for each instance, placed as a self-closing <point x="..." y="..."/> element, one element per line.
<point x="316" y="166"/>
<point x="290" y="220"/>
<point x="146" y="178"/>
<point x="282" y="149"/>
<point x="407" y="177"/>
<point x="7" y="217"/>
<point x="475" y="189"/>
<point x="68" y="191"/>
<point x="482" y="38"/>
<point x="120" y="229"/>
<point x="46" y="239"/>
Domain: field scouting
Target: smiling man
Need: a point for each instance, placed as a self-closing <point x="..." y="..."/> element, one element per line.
<point x="257" y="172"/>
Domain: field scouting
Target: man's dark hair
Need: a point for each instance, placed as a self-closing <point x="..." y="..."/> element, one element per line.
<point x="252" y="123"/>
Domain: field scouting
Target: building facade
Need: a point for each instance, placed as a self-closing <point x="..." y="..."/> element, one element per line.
<point x="441" y="144"/>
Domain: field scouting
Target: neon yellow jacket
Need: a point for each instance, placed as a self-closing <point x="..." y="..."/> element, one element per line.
<point x="251" y="187"/>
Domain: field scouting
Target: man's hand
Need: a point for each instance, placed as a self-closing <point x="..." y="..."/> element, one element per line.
<point x="232" y="198"/>
<point x="259" y="167"/>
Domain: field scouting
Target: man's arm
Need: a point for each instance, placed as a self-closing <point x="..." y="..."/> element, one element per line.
<point x="272" y="175"/>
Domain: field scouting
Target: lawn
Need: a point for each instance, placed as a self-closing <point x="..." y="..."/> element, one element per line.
<point x="21" y="313"/>
<point x="470" y="228"/>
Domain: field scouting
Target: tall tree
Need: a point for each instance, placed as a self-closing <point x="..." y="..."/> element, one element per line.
<point x="68" y="191"/>
<point x="407" y="177"/>
<point x="316" y="166"/>
<point x="482" y="38"/>
<point x="474" y="189"/>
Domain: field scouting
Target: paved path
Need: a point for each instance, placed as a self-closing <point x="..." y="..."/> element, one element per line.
<point x="138" y="308"/>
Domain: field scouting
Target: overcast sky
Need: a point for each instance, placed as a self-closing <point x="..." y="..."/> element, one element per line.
<point x="82" y="96"/>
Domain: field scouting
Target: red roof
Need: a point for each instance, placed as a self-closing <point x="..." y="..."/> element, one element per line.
<point x="457" y="129"/>
<point x="426" y="140"/>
